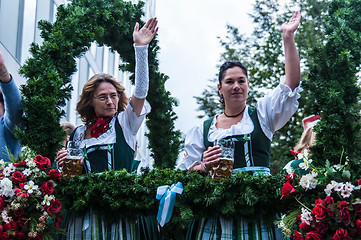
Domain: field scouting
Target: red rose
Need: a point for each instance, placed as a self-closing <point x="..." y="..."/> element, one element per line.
<point x="47" y="188"/>
<point x="305" y="227"/>
<point x="341" y="234"/>
<point x="359" y="182"/>
<point x="321" y="227"/>
<point x="4" y="236"/>
<point x="319" y="201"/>
<point x="20" y="235"/>
<point x="319" y="212"/>
<point x="298" y="218"/>
<point x="329" y="200"/>
<point x="287" y="189"/>
<point x="19" y="212"/>
<point x="313" y="236"/>
<point x="2" y="203"/>
<point x="297" y="235"/>
<point x="57" y="220"/>
<point x="358" y="226"/>
<point x="13" y="225"/>
<point x="343" y="204"/>
<point x="19" y="164"/>
<point x="55" y="174"/>
<point x="357" y="209"/>
<point x="290" y="177"/>
<point x="42" y="162"/>
<point x="330" y="212"/>
<point x="344" y="215"/>
<point x="18" y="177"/>
<point x="54" y="208"/>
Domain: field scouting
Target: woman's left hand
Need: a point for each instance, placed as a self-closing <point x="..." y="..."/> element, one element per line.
<point x="145" y="35"/>
<point x="290" y="27"/>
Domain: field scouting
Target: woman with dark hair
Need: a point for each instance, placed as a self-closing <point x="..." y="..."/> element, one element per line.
<point x="253" y="126"/>
<point x="108" y="138"/>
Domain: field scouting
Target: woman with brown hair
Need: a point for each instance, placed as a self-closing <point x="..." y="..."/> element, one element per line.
<point x="108" y="138"/>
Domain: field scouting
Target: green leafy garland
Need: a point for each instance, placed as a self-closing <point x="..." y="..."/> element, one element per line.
<point x="118" y="193"/>
<point x="49" y="72"/>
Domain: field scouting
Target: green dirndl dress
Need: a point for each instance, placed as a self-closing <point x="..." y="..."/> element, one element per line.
<point x="252" y="156"/>
<point x="99" y="158"/>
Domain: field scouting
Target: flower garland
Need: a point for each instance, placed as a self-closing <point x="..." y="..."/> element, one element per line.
<point x="29" y="208"/>
<point x="328" y="202"/>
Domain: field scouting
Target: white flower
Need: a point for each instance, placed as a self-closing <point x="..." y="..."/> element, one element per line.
<point x="47" y="199"/>
<point x="283" y="227"/>
<point x="31" y="163"/>
<point x="328" y="189"/>
<point x="337" y="166"/>
<point x="5" y="217"/>
<point x="6" y="172"/>
<point x="308" y="181"/>
<point x="303" y="155"/>
<point x="305" y="164"/>
<point x="31" y="187"/>
<point x="7" y="187"/>
<point x="306" y="216"/>
<point x="27" y="172"/>
<point x="347" y="190"/>
<point x="2" y="164"/>
<point x="338" y="187"/>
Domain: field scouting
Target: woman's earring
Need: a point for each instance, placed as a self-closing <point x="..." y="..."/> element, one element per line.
<point x="221" y="99"/>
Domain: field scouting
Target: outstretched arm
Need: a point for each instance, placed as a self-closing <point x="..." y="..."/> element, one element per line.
<point x="4" y="75"/>
<point x="292" y="61"/>
<point x="141" y="39"/>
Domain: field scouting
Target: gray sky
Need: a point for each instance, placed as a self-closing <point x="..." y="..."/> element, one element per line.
<point x="190" y="50"/>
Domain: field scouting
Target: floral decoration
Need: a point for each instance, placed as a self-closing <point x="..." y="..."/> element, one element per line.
<point x="328" y="201"/>
<point x="28" y="206"/>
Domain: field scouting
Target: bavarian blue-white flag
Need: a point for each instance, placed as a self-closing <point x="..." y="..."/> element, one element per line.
<point x="167" y="196"/>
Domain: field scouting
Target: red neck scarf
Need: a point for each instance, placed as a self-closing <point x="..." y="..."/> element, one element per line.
<point x="101" y="126"/>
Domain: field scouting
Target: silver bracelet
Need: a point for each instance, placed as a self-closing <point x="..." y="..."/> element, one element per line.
<point x="4" y="74"/>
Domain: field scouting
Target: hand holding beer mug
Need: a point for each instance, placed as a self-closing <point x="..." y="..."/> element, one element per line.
<point x="223" y="169"/>
<point x="73" y="164"/>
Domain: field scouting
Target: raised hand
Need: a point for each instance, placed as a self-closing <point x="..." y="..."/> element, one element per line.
<point x="290" y="27"/>
<point x="145" y="35"/>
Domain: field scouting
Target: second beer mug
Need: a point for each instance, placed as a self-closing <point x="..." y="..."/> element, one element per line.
<point x="225" y="166"/>
<point x="73" y="165"/>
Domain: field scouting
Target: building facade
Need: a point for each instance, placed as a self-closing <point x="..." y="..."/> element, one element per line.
<point x="18" y="25"/>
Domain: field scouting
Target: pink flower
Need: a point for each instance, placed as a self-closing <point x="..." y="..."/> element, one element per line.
<point x="21" y="191"/>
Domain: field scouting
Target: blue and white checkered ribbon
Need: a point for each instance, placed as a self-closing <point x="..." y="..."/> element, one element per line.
<point x="167" y="195"/>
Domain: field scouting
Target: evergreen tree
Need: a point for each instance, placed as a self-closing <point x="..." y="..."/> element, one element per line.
<point x="263" y="55"/>
<point x="78" y="24"/>
<point x="335" y="91"/>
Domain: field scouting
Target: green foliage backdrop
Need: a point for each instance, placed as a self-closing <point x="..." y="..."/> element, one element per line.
<point x="78" y="24"/>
